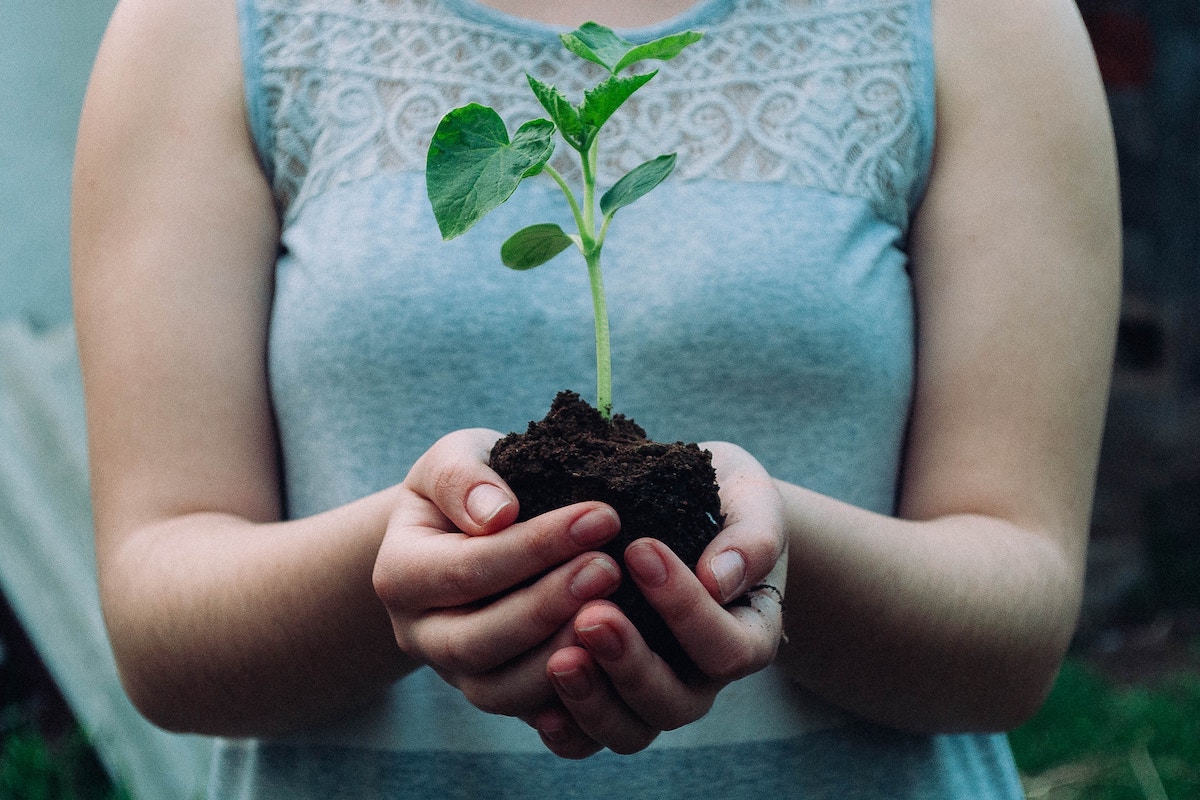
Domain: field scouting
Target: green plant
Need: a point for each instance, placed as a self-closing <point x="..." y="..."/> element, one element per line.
<point x="474" y="166"/>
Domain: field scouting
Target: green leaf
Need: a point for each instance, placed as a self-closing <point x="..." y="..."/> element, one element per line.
<point x="640" y="180"/>
<point x="602" y="46"/>
<point x="533" y="246"/>
<point x="600" y="103"/>
<point x="565" y="115"/>
<point x="472" y="167"/>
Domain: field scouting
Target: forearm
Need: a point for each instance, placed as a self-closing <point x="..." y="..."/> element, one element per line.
<point x="228" y="627"/>
<point x="957" y="623"/>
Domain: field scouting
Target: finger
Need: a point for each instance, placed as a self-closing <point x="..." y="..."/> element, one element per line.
<point x="454" y="474"/>
<point x="753" y="542"/>
<point x="646" y="685"/>
<point x="562" y="735"/>
<point x="478" y="639"/>
<point x="595" y="707"/>
<point x="420" y="567"/>
<point x="725" y="643"/>
<point x="518" y="688"/>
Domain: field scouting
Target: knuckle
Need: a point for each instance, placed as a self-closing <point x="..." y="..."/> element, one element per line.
<point x="389" y="587"/>
<point x="463" y="579"/>
<point x="409" y="641"/>
<point x="544" y="546"/>
<point x="686" y="610"/>
<point x="449" y="483"/>
<point x="454" y="654"/>
<point x="448" y="468"/>
<point x="732" y="663"/>
<point x="547" y="615"/>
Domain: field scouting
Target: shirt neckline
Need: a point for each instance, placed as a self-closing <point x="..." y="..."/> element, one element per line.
<point x="701" y="12"/>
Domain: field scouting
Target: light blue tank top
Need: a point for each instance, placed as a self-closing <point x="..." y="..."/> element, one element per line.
<point x="760" y="296"/>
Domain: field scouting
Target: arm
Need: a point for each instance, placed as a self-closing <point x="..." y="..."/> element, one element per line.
<point x="223" y="618"/>
<point x="174" y="237"/>
<point x="956" y="616"/>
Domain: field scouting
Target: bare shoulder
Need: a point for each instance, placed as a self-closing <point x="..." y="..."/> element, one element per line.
<point x="180" y="30"/>
<point x="160" y="55"/>
<point x="1023" y="132"/>
<point x="1023" y="126"/>
<point x="1015" y="56"/>
<point x="166" y="83"/>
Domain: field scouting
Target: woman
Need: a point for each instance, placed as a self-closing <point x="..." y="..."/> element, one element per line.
<point x="906" y="336"/>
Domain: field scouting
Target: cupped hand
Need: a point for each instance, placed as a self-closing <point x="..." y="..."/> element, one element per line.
<point x="617" y="693"/>
<point x="482" y="600"/>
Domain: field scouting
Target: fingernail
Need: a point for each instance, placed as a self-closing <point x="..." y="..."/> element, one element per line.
<point x="595" y="578"/>
<point x="645" y="563"/>
<point x="729" y="568"/>
<point x="595" y="527"/>
<point x="602" y="642"/>
<point x="484" y="502"/>
<point x="574" y="683"/>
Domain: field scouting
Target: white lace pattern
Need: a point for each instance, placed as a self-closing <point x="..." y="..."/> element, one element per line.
<point x="819" y="93"/>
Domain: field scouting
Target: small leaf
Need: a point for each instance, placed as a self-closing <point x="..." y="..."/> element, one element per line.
<point x="640" y="180"/>
<point x="602" y="46"/>
<point x="533" y="246"/>
<point x="565" y="115"/>
<point x="597" y="44"/>
<point x="663" y="49"/>
<point x="472" y="167"/>
<point x="600" y="103"/>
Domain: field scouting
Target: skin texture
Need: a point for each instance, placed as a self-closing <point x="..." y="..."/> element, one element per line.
<point x="953" y="616"/>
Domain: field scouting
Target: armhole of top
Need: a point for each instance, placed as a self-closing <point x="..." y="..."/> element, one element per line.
<point x="257" y="113"/>
<point x="924" y="96"/>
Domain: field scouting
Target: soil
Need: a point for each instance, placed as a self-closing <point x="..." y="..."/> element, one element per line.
<point x="664" y="491"/>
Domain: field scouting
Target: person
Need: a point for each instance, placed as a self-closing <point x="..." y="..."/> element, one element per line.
<point x="882" y="294"/>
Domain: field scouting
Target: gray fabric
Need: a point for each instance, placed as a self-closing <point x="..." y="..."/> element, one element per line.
<point x="789" y="335"/>
<point x="860" y="762"/>
<point x="760" y="296"/>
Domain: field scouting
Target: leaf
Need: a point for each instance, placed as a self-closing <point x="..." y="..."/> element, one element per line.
<point x="600" y="103"/>
<point x="602" y="46"/>
<point x="472" y="167"/>
<point x="533" y="246"/>
<point x="640" y="180"/>
<point x="565" y="115"/>
<point x="663" y="49"/>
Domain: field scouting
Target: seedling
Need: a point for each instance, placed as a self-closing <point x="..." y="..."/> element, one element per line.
<point x="474" y="166"/>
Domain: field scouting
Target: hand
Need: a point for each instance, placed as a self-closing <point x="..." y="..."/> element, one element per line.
<point x="617" y="693"/>
<point x="481" y="600"/>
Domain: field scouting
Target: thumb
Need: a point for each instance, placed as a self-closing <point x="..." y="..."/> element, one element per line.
<point x="454" y="475"/>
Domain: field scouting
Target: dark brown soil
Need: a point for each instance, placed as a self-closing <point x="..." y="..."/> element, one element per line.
<point x="664" y="491"/>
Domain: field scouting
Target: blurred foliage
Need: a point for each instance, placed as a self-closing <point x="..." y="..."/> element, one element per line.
<point x="34" y="768"/>
<point x="1094" y="740"/>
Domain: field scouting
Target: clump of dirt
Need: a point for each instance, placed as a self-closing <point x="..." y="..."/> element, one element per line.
<point x="664" y="491"/>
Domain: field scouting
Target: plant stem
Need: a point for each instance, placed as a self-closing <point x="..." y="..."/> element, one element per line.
<point x="566" y="190"/>
<point x="591" y="246"/>
<point x="588" y="163"/>
<point x="603" y="350"/>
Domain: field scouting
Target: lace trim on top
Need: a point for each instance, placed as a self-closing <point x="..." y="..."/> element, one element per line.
<point x="825" y="94"/>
